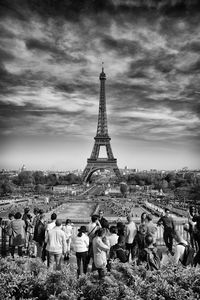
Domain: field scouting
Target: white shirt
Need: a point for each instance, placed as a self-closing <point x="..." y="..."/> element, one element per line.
<point x="56" y="241"/>
<point x="81" y="243"/>
<point x="49" y="227"/>
<point x="179" y="252"/>
<point x="113" y="239"/>
<point x="92" y="228"/>
<point x="131" y="230"/>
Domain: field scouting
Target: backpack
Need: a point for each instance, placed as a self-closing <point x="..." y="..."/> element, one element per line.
<point x="188" y="255"/>
<point x="152" y="259"/>
<point x="122" y="254"/>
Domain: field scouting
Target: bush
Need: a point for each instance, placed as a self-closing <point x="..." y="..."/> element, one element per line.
<point x="29" y="279"/>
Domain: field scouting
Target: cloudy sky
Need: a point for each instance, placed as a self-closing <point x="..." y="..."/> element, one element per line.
<point x="50" y="59"/>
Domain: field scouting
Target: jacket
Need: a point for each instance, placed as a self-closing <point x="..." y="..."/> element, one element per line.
<point x="16" y="231"/>
<point x="81" y="243"/>
<point x="56" y="241"/>
<point x="100" y="252"/>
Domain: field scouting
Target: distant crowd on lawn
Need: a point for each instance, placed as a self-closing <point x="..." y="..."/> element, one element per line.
<point x="98" y="244"/>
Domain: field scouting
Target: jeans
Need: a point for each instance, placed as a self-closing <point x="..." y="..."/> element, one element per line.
<point x="57" y="257"/>
<point x="129" y="248"/>
<point x="82" y="256"/>
<point x="39" y="249"/>
<point x="168" y="239"/>
<point x="12" y="250"/>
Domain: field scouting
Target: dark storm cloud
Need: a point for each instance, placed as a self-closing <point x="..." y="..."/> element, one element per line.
<point x="5" y="55"/>
<point x="8" y="81"/>
<point x="73" y="9"/>
<point x="192" y="46"/>
<point x="192" y="67"/>
<point x="121" y="46"/>
<point x="57" y="54"/>
<point x="84" y="89"/>
<point x="51" y="59"/>
<point x="25" y="119"/>
<point x="4" y="33"/>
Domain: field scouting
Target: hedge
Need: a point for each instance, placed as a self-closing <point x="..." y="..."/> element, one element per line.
<point x="28" y="278"/>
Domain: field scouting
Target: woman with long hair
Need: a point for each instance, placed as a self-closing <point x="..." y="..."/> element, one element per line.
<point x="81" y="244"/>
<point x="100" y="251"/>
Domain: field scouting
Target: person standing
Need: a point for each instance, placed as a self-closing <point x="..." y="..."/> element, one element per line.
<point x="104" y="223"/>
<point x="56" y="245"/>
<point x="180" y="248"/>
<point x="29" y="235"/>
<point x="113" y="237"/>
<point x="151" y="227"/>
<point x="130" y="233"/>
<point x="139" y="242"/>
<point x="169" y="229"/>
<point x="49" y="226"/>
<point x="192" y="227"/>
<point x="92" y="227"/>
<point x="81" y="244"/>
<point x="39" y="234"/>
<point x="143" y="218"/>
<point x="11" y="216"/>
<point x="68" y="230"/>
<point x="16" y="231"/>
<point x="34" y="222"/>
<point x="25" y="217"/>
<point x="100" y="250"/>
<point x="52" y="224"/>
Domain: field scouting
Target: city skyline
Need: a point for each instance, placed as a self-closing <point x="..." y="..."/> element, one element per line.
<point x="50" y="59"/>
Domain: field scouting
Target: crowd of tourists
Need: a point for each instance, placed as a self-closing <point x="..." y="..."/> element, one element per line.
<point x="99" y="243"/>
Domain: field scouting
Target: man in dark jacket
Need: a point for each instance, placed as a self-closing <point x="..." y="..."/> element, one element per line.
<point x="119" y="250"/>
<point x="104" y="223"/>
<point x="39" y="233"/>
<point x="169" y="229"/>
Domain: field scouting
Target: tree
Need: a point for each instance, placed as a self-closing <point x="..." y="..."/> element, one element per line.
<point x="194" y="193"/>
<point x="26" y="177"/>
<point x="7" y="187"/>
<point x="72" y="178"/>
<point x="52" y="179"/>
<point x="123" y="189"/>
<point x="39" y="177"/>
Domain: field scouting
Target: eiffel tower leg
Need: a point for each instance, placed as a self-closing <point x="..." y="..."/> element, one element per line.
<point x="85" y="174"/>
<point x="109" y="151"/>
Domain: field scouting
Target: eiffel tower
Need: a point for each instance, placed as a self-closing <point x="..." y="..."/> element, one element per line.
<point x="102" y="138"/>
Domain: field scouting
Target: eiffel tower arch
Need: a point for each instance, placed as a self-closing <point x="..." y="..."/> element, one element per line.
<point x="102" y="139"/>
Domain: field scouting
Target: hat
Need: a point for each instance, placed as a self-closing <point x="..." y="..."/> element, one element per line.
<point x="82" y="229"/>
<point x="58" y="223"/>
<point x="149" y="217"/>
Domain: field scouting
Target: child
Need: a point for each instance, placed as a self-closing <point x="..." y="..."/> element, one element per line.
<point x="68" y="229"/>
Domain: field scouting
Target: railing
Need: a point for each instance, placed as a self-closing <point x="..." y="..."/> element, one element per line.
<point x="4" y="239"/>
